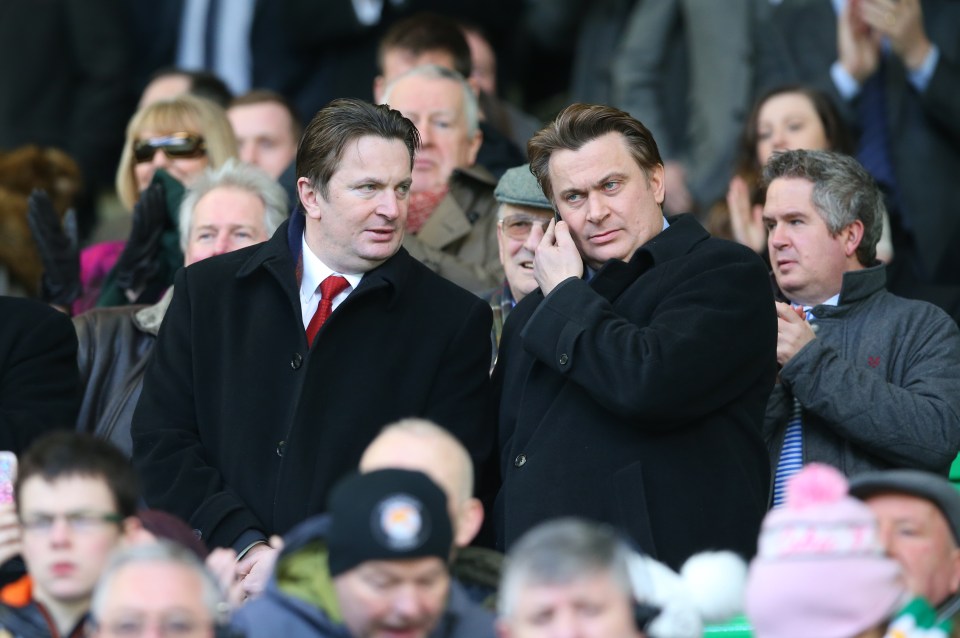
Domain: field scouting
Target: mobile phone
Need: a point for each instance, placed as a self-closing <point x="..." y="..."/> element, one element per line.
<point x="8" y="475"/>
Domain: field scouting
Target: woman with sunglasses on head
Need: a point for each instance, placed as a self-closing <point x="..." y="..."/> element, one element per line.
<point x="168" y="144"/>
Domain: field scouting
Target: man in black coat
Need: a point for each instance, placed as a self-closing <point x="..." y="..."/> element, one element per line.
<point x="39" y="380"/>
<point x="255" y="402"/>
<point x="632" y="386"/>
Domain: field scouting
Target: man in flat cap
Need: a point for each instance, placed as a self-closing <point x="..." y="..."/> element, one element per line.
<point x="919" y="517"/>
<point x="374" y="565"/>
<point x="522" y="217"/>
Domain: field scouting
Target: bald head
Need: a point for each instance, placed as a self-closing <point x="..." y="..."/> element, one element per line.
<point x="418" y="444"/>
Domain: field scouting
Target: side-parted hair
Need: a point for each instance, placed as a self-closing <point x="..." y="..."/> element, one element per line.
<point x="236" y="174"/>
<point x="184" y="113"/>
<point x="75" y="454"/>
<point x="428" y="32"/>
<point x="579" y="124"/>
<point x="342" y="122"/>
<point x="165" y="552"/>
<point x="266" y="96"/>
<point x="471" y="107"/>
<point x="843" y="192"/>
<point x="560" y="552"/>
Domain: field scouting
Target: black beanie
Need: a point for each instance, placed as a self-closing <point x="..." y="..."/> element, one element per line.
<point x="387" y="515"/>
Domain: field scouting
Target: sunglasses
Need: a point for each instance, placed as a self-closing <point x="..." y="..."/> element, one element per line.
<point x="174" y="146"/>
<point x="519" y="226"/>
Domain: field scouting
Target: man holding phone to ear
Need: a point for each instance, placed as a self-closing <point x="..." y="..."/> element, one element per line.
<point x="632" y="385"/>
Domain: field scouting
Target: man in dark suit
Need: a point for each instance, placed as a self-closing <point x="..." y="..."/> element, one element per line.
<point x="632" y="385"/>
<point x="276" y="365"/>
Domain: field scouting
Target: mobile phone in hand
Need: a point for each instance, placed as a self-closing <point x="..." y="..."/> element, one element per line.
<point x="8" y="475"/>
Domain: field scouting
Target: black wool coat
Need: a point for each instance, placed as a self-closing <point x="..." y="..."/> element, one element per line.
<point x="242" y="427"/>
<point x="636" y="399"/>
<point x="39" y="379"/>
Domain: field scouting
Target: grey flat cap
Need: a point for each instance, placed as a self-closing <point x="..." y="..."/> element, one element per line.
<point x="518" y="186"/>
<point x="925" y="485"/>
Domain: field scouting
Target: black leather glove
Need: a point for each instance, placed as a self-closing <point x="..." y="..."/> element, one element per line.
<point x="57" y="244"/>
<point x="139" y="260"/>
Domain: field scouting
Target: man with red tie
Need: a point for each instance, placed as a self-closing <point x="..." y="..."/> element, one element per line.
<point x="277" y="364"/>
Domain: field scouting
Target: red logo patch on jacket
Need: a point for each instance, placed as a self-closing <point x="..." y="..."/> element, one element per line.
<point x="873" y="362"/>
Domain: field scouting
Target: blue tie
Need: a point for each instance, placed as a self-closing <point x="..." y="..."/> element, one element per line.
<point x="791" y="454"/>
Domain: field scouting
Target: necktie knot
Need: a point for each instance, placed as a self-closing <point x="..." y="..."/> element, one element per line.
<point x="329" y="289"/>
<point x="332" y="286"/>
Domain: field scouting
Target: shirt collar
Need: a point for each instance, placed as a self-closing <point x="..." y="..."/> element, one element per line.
<point x="315" y="271"/>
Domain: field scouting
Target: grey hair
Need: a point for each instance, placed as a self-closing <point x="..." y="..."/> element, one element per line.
<point x="843" y="192"/>
<point x="236" y="174"/>
<point x="563" y="551"/>
<point x="471" y="107"/>
<point x="166" y="552"/>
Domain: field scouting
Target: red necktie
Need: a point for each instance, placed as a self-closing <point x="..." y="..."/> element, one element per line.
<point x="329" y="289"/>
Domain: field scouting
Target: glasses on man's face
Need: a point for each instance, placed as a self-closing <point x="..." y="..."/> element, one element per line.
<point x="169" y="627"/>
<point x="77" y="522"/>
<point x="519" y="226"/>
<point x="174" y="146"/>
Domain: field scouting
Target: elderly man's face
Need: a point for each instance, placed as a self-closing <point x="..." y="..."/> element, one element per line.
<point x="917" y="535"/>
<point x="154" y="598"/>
<point x="436" y="107"/>
<point x="519" y="232"/>
<point x="393" y="599"/>
<point x="224" y="220"/>
<point x="591" y="607"/>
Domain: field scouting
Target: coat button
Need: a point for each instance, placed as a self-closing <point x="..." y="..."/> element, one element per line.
<point x="280" y="446"/>
<point x="198" y="534"/>
<point x="521" y="460"/>
<point x="564" y="359"/>
<point x="296" y="361"/>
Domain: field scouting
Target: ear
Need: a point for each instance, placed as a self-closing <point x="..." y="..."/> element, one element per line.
<point x="379" y="84"/>
<point x="471" y="518"/>
<point x="852" y="236"/>
<point x="500" y="240"/>
<point x="657" y="183"/>
<point x="131" y="528"/>
<point x="503" y="630"/>
<point x="475" y="144"/>
<point x="309" y="197"/>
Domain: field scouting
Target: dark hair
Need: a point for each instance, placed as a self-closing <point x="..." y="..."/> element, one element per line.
<point x="843" y="192"/>
<point x="834" y="128"/>
<point x="579" y="124"/>
<point x="266" y="96"/>
<point x="202" y="84"/>
<point x="68" y="454"/>
<point x="339" y="123"/>
<point x="427" y="32"/>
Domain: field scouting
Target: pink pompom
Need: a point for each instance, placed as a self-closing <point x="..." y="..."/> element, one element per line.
<point x="815" y="484"/>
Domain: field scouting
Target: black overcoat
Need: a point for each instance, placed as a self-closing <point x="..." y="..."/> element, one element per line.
<point x="637" y="398"/>
<point x="242" y="427"/>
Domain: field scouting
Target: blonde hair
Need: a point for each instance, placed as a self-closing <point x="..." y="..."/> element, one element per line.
<point x="184" y="113"/>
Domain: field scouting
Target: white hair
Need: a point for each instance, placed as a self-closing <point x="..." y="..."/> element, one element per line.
<point x="471" y="107"/>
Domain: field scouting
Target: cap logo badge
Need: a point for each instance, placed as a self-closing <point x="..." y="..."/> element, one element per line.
<point x="400" y="523"/>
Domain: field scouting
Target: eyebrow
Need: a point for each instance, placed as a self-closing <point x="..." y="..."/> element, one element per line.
<point x="600" y="182"/>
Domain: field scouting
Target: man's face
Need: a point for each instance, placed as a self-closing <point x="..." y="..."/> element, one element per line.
<point x="359" y="224"/>
<point x="224" y="220"/>
<point x="519" y="232"/>
<point x="264" y="136"/>
<point x="808" y="261"/>
<point x="915" y="532"/>
<point x="66" y="537"/>
<point x="393" y="599"/>
<point x="166" y="598"/>
<point x="591" y="607"/>
<point x="436" y="108"/>
<point x="610" y="206"/>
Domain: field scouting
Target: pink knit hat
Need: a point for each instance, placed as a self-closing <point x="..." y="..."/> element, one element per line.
<point x="820" y="569"/>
